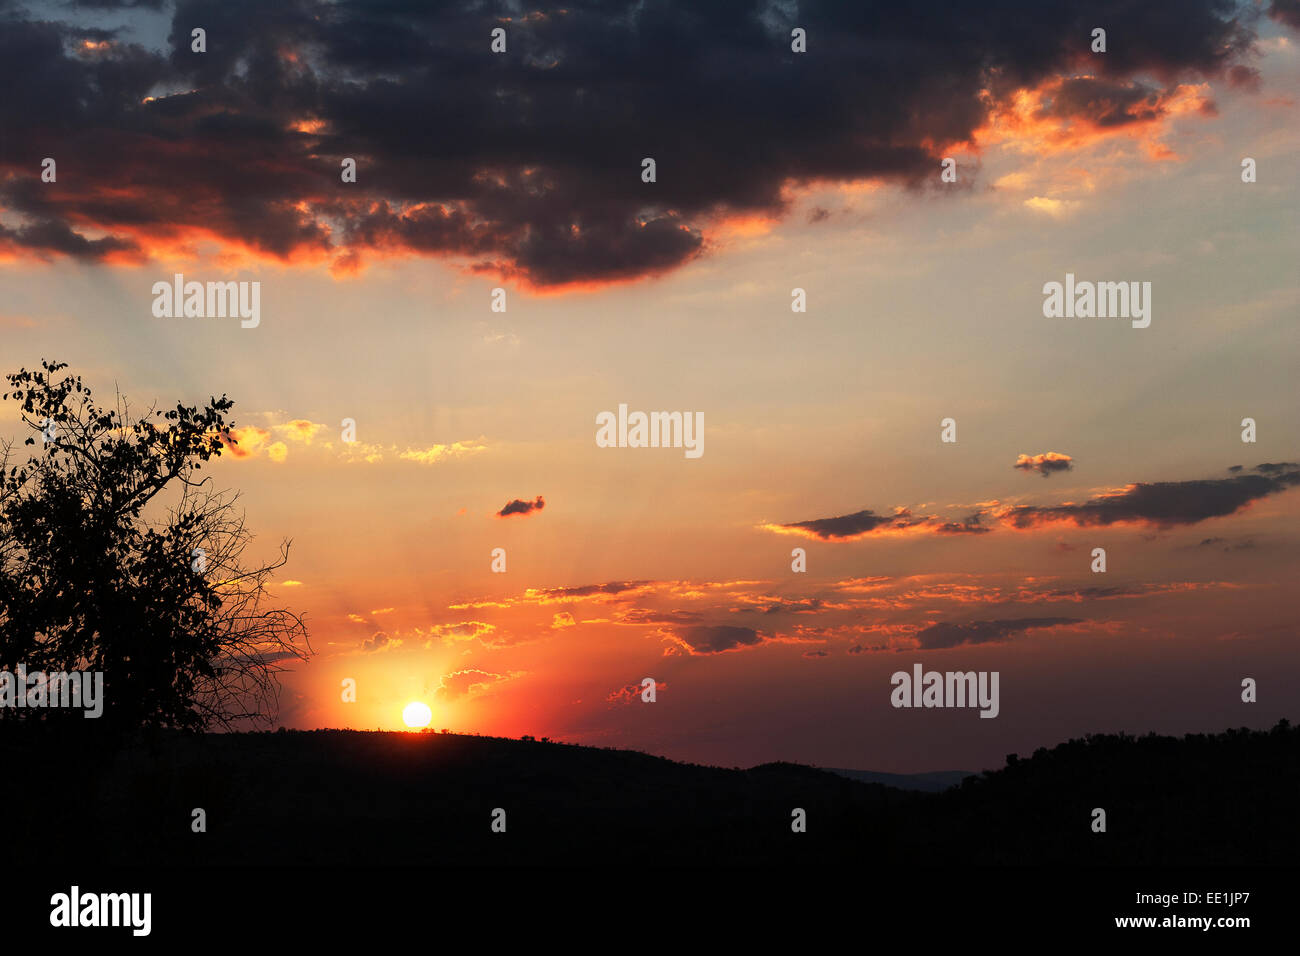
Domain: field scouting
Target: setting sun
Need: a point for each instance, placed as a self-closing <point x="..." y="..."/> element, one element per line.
<point x="417" y="714"/>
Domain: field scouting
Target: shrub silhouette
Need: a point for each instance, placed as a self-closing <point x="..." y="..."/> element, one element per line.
<point x="116" y="557"/>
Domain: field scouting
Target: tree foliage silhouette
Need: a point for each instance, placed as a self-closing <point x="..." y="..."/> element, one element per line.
<point x="116" y="557"/>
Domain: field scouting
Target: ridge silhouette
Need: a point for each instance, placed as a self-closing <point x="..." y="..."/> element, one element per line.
<point x="344" y="797"/>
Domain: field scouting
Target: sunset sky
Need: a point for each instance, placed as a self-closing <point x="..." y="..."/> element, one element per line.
<point x="775" y="170"/>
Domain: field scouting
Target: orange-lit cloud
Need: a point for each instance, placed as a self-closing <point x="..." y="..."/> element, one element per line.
<point x="866" y="523"/>
<point x="1056" y="208"/>
<point x="250" y="440"/>
<point x="247" y="441"/>
<point x="631" y="693"/>
<point x="1070" y="114"/>
<point x="463" y="631"/>
<point x="300" y="430"/>
<point x="1162" y="504"/>
<point x="1045" y="464"/>
<point x="469" y="682"/>
<point x="436" y="453"/>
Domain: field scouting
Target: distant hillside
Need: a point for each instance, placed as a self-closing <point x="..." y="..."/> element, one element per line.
<point x="932" y="782"/>
<point x="345" y="797"/>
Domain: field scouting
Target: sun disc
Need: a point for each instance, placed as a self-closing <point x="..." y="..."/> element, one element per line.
<point x="417" y="714"/>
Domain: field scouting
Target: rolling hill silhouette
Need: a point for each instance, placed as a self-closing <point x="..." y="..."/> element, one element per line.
<point x="349" y="797"/>
<point x="935" y="781"/>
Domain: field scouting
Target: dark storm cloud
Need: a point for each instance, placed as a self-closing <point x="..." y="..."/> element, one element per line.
<point x="1286" y="11"/>
<point x="518" y="506"/>
<point x="117" y="4"/>
<point x="938" y="636"/>
<point x="1276" y="469"/>
<point x="528" y="163"/>
<point x="1164" y="504"/>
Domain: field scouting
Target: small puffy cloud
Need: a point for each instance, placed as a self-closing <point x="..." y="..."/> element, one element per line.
<point x="631" y="693"/>
<point x="518" y="506"/>
<point x="562" y="620"/>
<point x="464" y="631"/>
<point x="277" y="452"/>
<point x="1045" y="464"/>
<point x="467" y="683"/>
<point x="704" y="639"/>
<point x="380" y="641"/>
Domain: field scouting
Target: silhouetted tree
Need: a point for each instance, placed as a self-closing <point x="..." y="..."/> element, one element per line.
<point x="115" y="557"/>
